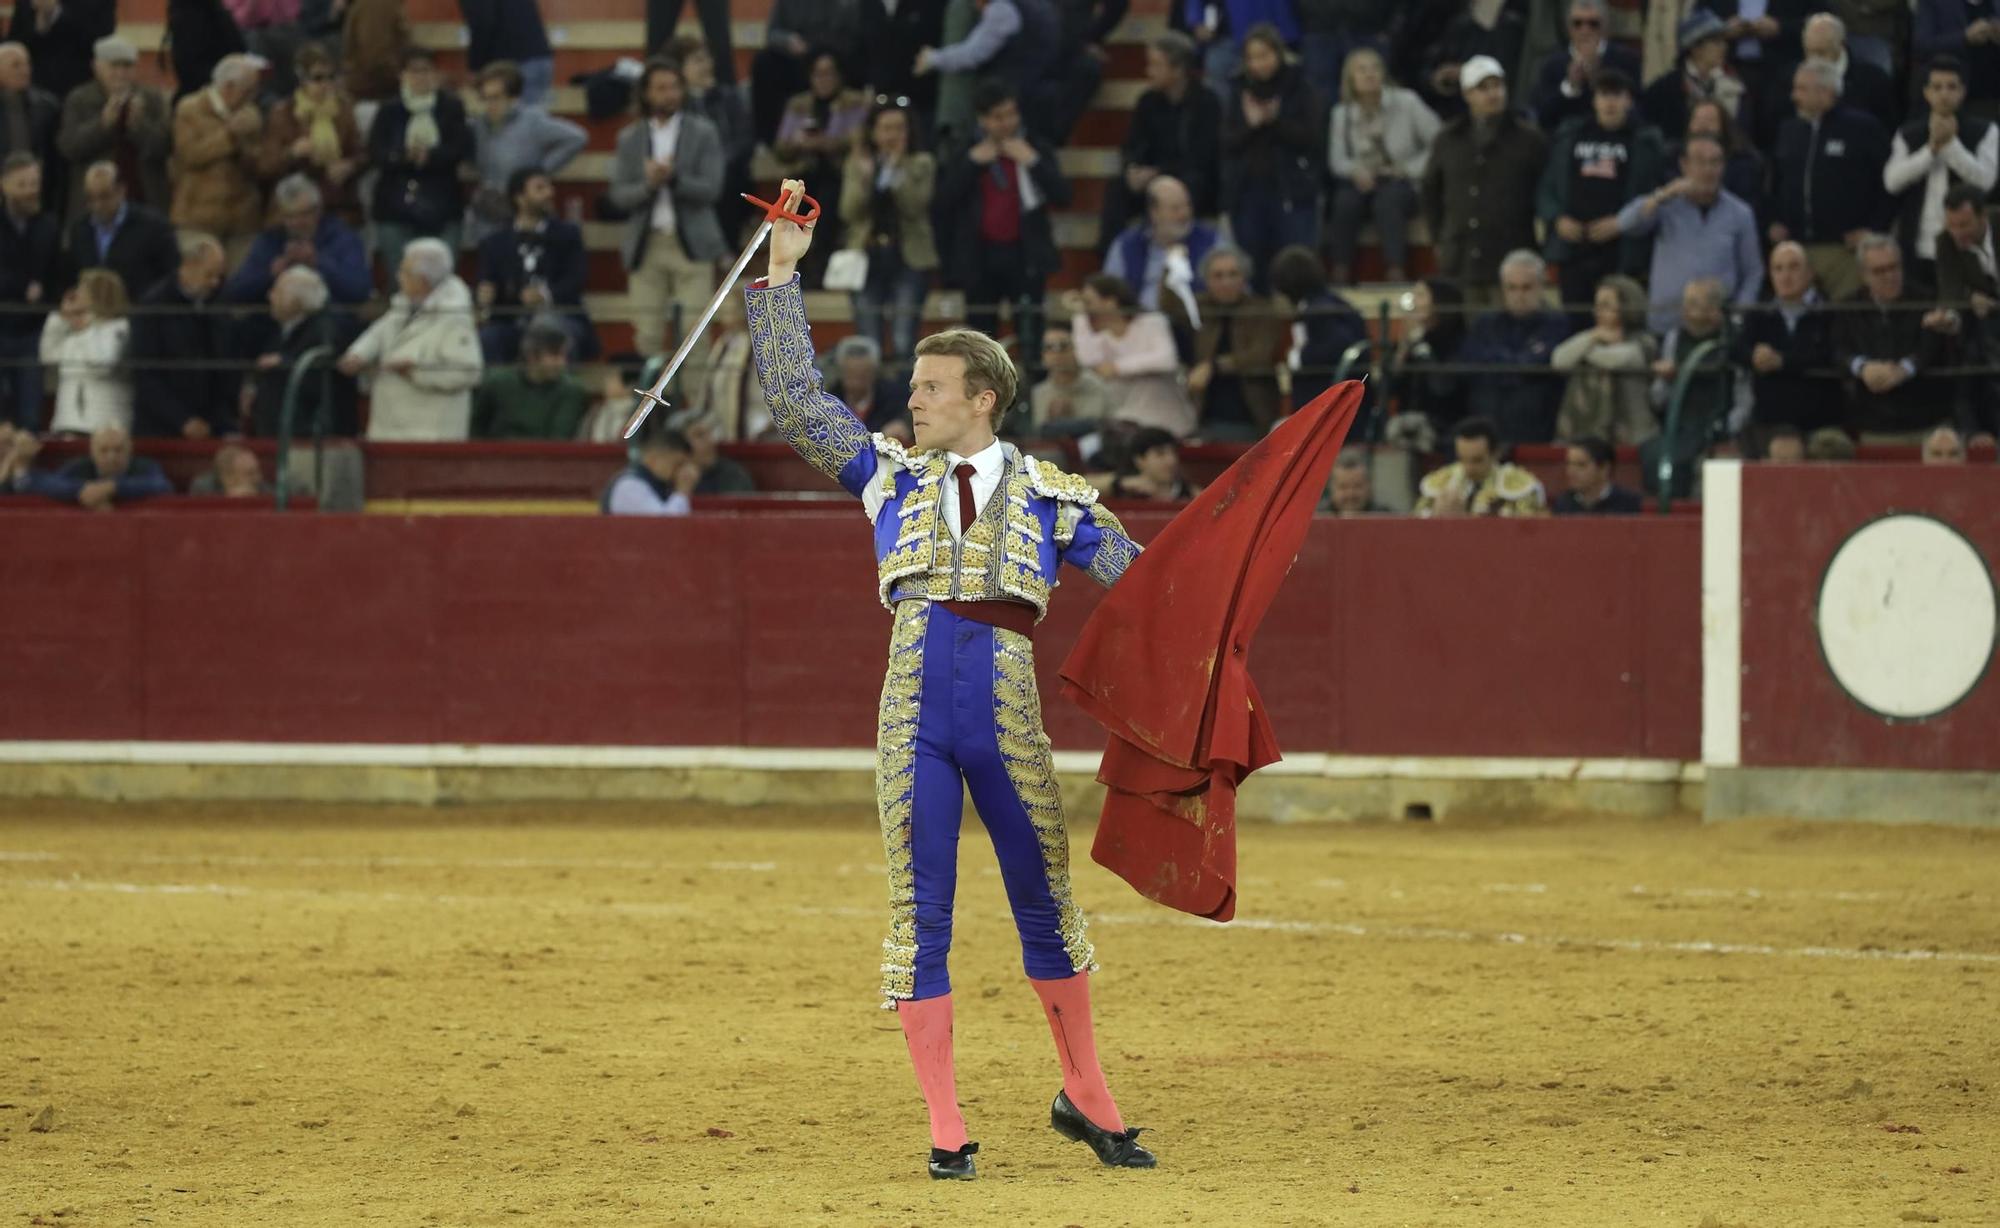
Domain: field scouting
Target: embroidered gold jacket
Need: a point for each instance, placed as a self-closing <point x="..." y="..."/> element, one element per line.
<point x="1038" y="518"/>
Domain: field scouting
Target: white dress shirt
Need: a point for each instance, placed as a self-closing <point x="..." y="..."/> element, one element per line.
<point x="1934" y="168"/>
<point x="666" y="139"/>
<point x="987" y="465"/>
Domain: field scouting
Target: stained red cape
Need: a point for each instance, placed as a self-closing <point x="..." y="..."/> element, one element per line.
<point x="1163" y="664"/>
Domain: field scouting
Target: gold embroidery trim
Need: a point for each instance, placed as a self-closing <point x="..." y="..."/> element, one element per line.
<point x="895" y="788"/>
<point x="1017" y="717"/>
<point x="1115" y="551"/>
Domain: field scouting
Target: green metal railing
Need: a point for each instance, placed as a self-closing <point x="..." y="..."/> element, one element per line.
<point x="1689" y="371"/>
<point x="322" y="357"/>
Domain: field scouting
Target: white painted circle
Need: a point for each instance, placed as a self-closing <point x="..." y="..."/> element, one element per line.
<point x="1907" y="616"/>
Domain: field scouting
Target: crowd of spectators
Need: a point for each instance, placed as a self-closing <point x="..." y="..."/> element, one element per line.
<point x="1768" y="215"/>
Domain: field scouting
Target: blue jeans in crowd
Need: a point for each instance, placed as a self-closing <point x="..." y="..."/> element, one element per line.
<point x="538" y="81"/>
<point x="900" y="289"/>
<point x="1263" y="224"/>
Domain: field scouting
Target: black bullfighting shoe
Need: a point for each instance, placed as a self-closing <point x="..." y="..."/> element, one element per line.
<point x="1118" y="1149"/>
<point x="953" y="1165"/>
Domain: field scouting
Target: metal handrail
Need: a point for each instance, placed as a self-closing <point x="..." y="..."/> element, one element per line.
<point x="317" y="355"/>
<point x="1670" y="429"/>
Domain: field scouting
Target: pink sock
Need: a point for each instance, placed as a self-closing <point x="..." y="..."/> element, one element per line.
<point x="1067" y="1004"/>
<point x="927" y="1028"/>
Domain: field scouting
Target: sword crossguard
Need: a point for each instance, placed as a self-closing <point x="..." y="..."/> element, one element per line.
<point x="773" y="212"/>
<point x="647" y="400"/>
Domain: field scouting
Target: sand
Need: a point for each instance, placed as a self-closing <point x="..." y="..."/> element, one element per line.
<point x="563" y="1015"/>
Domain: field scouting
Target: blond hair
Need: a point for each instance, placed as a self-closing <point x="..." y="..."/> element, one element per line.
<point x="105" y="292"/>
<point x="987" y="366"/>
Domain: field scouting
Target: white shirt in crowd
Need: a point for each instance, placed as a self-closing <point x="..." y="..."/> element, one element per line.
<point x="93" y="389"/>
<point x="666" y="139"/>
<point x="1978" y="167"/>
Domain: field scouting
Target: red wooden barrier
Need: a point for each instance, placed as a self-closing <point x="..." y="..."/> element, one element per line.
<point x="1391" y="637"/>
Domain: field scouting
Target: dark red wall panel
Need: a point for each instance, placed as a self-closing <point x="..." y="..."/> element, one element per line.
<point x="762" y="629"/>
<point x="1794" y="712"/>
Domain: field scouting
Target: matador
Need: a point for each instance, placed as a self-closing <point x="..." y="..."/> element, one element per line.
<point x="969" y="532"/>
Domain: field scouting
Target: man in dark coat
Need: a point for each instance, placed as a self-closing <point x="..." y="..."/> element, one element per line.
<point x="116" y="118"/>
<point x="1886" y="343"/>
<point x="1564" y="85"/>
<point x="273" y="343"/>
<point x="1785" y="342"/>
<point x="1176" y="130"/>
<point x="1479" y="187"/>
<point x="59" y="35"/>
<point x="1828" y="180"/>
<point x="31" y="281"/>
<point x="1522" y="405"/>
<point x="1598" y="162"/>
<point x="535" y="266"/>
<point x="194" y="397"/>
<point x="1000" y="190"/>
<point x="29" y="118"/>
<point x="1969" y="283"/>
<point x="131" y="240"/>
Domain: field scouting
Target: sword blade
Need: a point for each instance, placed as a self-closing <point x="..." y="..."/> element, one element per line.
<point x="658" y="394"/>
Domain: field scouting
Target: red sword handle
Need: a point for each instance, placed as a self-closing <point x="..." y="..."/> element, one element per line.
<point x="773" y="212"/>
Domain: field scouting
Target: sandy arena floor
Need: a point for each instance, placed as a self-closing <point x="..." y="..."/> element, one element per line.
<point x="332" y="1016"/>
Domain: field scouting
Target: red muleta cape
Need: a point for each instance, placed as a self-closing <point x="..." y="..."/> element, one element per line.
<point x="1163" y="664"/>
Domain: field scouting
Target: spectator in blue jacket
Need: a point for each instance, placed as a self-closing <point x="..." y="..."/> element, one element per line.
<point x="1324" y="324"/>
<point x="306" y="236"/>
<point x="110" y="475"/>
<point x="1145" y="256"/>
<point x="1700" y="230"/>
<point x="535" y="268"/>
<point x="1523" y="333"/>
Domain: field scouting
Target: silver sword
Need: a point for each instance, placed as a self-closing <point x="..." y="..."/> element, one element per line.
<point x="657" y="395"/>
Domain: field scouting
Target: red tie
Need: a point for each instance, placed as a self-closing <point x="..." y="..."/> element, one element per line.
<point x="965" y="509"/>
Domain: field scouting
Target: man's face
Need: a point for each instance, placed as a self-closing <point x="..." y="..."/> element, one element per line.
<point x="1521" y="290"/>
<point x="1707" y="55"/>
<point x="111" y="452"/>
<point x="1810" y="97"/>
<point x="1002" y="123"/>
<point x="1059" y="350"/>
<point x="1966" y="225"/>
<point x="1786" y="450"/>
<point x="420" y="77"/>
<point x="1944" y="447"/>
<point x="237" y="92"/>
<point x="1586" y="29"/>
<point x="1160" y="71"/>
<point x="284" y="303"/>
<point x="1944" y="92"/>
<point x="494" y="100"/>
<point x="546" y="368"/>
<point x="1701" y="310"/>
<point x="698" y="70"/>
<point x="1160" y="465"/>
<point x="1352" y="491"/>
<point x="114" y="76"/>
<point x="23" y="190"/>
<point x="14" y="69"/>
<point x="237" y="473"/>
<point x="1487" y="99"/>
<point x="538" y="197"/>
<point x="664" y="93"/>
<point x="1171" y="213"/>
<point x="663" y="462"/>
<point x="1882" y="270"/>
<point x="943" y="415"/>
<point x="1613" y="108"/>
<point x="1821" y="39"/>
<point x="1702" y="164"/>
<point x="301" y="221"/>
<point x="857" y="371"/>
<point x="104" y="196"/>
<point x="1475" y="457"/>
<point x="1791" y="276"/>
<point x="1586" y="476"/>
<point x="1225" y="280"/>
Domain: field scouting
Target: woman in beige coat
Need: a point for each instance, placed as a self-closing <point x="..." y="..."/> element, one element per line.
<point x="1610" y="365"/>
<point x="217" y="135"/>
<point x="424" y="352"/>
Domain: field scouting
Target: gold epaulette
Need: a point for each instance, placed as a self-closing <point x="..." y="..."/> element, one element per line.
<point x="1052" y="483"/>
<point x="1511" y="482"/>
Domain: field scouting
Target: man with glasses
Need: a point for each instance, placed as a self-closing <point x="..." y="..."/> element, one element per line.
<point x="1886" y="343"/>
<point x="1563" y="86"/>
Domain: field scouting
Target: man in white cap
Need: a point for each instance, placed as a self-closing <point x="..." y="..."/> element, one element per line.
<point x="1479" y="188"/>
<point x="116" y="118"/>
